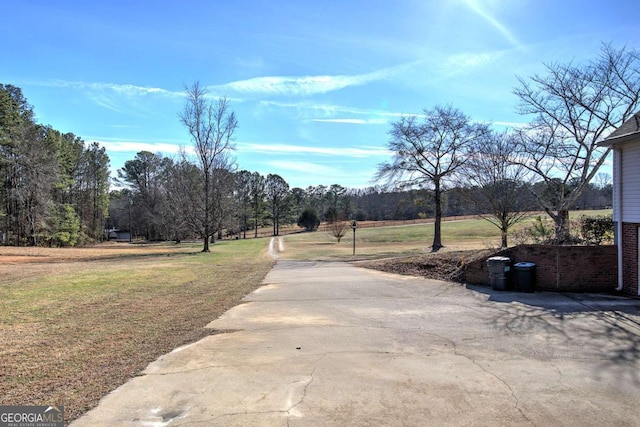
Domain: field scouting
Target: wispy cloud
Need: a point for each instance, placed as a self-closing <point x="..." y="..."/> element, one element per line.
<point x="112" y="103"/>
<point x="286" y="149"/>
<point x="297" y="173"/>
<point x="120" y="98"/>
<point x="353" y="121"/>
<point x="257" y="86"/>
<point x="514" y="125"/>
<point x="136" y="146"/>
<point x="328" y="112"/>
<point x="292" y="86"/>
<point x="125" y="126"/>
<point x="301" y="85"/>
<point x="126" y="99"/>
<point x="466" y="62"/>
<point x="305" y="167"/>
<point x="122" y="89"/>
<point x="480" y="9"/>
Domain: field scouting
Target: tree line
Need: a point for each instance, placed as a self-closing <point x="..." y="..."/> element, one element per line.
<point x="155" y="202"/>
<point x="54" y="188"/>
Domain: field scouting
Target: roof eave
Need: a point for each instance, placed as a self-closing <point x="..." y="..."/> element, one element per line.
<point x="610" y="142"/>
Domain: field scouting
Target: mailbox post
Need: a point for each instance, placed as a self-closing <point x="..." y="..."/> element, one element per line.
<point x="354" y="225"/>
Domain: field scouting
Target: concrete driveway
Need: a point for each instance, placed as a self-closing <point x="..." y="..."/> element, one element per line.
<point x="332" y="344"/>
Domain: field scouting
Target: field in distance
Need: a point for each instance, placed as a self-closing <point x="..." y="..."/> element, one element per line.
<point x="403" y="240"/>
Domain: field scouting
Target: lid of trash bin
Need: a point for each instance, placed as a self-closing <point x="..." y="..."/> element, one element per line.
<point x="524" y="264"/>
<point x="499" y="259"/>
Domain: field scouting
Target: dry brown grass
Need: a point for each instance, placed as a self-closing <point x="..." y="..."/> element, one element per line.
<point x="11" y="255"/>
<point x="77" y="323"/>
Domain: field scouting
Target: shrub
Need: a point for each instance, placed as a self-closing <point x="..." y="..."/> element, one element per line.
<point x="586" y="231"/>
<point x="309" y="219"/>
<point x="596" y="229"/>
<point x="540" y="231"/>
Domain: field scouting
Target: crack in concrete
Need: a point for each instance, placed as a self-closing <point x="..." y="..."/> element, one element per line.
<point x="287" y="412"/>
<point x="472" y="360"/>
<point x="513" y="394"/>
<point x="290" y="411"/>
<point x="306" y="386"/>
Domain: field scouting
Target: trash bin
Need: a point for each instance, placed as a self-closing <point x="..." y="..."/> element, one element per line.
<point x="499" y="268"/>
<point x="525" y="276"/>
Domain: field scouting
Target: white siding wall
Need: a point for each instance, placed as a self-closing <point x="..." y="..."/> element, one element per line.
<point x="616" y="186"/>
<point x="630" y="182"/>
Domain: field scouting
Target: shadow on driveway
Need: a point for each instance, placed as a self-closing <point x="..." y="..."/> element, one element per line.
<point x="599" y="324"/>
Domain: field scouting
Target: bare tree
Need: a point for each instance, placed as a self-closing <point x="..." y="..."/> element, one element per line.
<point x="338" y="229"/>
<point x="429" y="150"/>
<point x="495" y="183"/>
<point x="257" y="194"/>
<point x="224" y="203"/>
<point x="277" y="191"/>
<point x="574" y="108"/>
<point x="212" y="126"/>
<point x="184" y="198"/>
<point x="243" y="199"/>
<point x="603" y="180"/>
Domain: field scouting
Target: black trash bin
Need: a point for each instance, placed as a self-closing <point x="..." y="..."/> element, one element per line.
<point x="525" y="276"/>
<point x="499" y="268"/>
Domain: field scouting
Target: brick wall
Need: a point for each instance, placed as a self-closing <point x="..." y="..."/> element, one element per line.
<point x="630" y="258"/>
<point x="560" y="268"/>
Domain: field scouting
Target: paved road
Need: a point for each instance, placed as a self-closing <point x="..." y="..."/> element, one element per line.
<point x="330" y="344"/>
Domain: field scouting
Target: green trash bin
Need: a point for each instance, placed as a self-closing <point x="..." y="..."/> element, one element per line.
<point x="499" y="268"/>
<point x="525" y="276"/>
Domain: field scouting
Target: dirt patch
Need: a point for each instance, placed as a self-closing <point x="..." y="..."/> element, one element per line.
<point x="11" y="255"/>
<point x="440" y="265"/>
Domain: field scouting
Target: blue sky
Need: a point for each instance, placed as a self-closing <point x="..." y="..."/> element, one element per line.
<point x="314" y="84"/>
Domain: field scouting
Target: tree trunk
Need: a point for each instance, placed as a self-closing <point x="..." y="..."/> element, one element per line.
<point x="207" y="209"/>
<point x="562" y="226"/>
<point x="437" y="236"/>
<point x="503" y="231"/>
<point x="244" y="227"/>
<point x="275" y="220"/>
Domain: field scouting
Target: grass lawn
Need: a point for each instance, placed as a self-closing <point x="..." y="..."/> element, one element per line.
<point x="77" y="323"/>
<point x="404" y="240"/>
